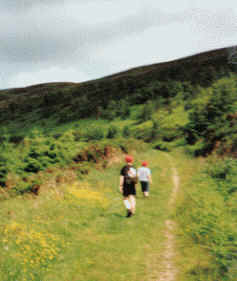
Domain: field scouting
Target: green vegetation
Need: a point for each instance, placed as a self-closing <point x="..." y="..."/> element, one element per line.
<point x="52" y="104"/>
<point x="61" y="147"/>
<point x="212" y="119"/>
<point x="77" y="230"/>
<point x="207" y="216"/>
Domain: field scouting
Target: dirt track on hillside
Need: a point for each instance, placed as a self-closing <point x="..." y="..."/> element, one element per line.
<point x="168" y="271"/>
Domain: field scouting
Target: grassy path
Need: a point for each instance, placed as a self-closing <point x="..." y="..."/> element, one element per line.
<point x="169" y="269"/>
<point x="79" y="232"/>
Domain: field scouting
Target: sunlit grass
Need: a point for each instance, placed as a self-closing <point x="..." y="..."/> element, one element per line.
<point x="79" y="232"/>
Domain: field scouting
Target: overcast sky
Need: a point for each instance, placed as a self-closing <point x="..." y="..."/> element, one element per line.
<point x="79" y="40"/>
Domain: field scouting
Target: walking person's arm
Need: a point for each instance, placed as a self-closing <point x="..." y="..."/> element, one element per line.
<point x="149" y="176"/>
<point x="150" y="179"/>
<point x="121" y="183"/>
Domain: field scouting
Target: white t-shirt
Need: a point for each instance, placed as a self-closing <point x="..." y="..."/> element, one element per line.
<point x="143" y="173"/>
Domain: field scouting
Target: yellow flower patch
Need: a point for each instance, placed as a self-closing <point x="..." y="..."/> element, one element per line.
<point x="88" y="194"/>
<point x="32" y="248"/>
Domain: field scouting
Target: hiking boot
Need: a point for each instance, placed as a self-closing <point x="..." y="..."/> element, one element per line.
<point x="129" y="214"/>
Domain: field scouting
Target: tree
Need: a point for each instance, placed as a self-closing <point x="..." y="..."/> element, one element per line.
<point x="123" y="109"/>
<point x="209" y="117"/>
<point x="146" y="112"/>
<point x="126" y="131"/>
<point x="154" y="129"/>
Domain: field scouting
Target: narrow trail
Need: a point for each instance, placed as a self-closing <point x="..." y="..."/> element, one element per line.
<point x="168" y="271"/>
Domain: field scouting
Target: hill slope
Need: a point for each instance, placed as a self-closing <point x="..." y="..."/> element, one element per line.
<point x="71" y="101"/>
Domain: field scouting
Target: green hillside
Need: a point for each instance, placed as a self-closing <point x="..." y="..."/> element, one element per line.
<point x="63" y="102"/>
<point x="61" y="149"/>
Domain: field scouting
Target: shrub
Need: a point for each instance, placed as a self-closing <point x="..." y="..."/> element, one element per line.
<point x="209" y="117"/>
<point x="123" y="109"/>
<point x="3" y="170"/>
<point x="110" y="112"/>
<point x="78" y="135"/>
<point x="39" y="157"/>
<point x="126" y="131"/>
<point x="146" y="113"/>
<point x="170" y="135"/>
<point x="154" y="129"/>
<point x="94" y="133"/>
<point x="225" y="174"/>
<point x="161" y="146"/>
<point x="112" y="132"/>
<point x="46" y="151"/>
<point x="159" y="102"/>
<point x="198" y="149"/>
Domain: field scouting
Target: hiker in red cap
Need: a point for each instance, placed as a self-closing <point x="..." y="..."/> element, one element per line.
<point x="144" y="176"/>
<point x="128" y="179"/>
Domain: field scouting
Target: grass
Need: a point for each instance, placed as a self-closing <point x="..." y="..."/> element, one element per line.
<point x="79" y="231"/>
<point x="207" y="225"/>
<point x="190" y="255"/>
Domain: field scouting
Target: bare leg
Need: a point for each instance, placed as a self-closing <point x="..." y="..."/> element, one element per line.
<point x="133" y="203"/>
<point x="127" y="203"/>
<point x="146" y="193"/>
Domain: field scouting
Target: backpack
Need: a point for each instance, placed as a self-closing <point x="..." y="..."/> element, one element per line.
<point x="130" y="177"/>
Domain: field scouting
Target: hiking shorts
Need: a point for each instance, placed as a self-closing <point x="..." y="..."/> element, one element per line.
<point x="145" y="186"/>
<point x="129" y="190"/>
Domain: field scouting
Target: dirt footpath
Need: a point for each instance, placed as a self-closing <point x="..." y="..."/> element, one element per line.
<point x="168" y="270"/>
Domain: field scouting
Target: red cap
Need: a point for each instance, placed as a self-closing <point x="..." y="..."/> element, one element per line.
<point x="144" y="163"/>
<point x="128" y="158"/>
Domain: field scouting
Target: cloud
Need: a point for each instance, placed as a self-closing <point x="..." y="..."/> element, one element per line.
<point x="47" y="39"/>
<point x="164" y="46"/>
<point x="216" y="28"/>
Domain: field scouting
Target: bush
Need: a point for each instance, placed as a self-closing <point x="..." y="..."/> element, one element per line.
<point x="110" y="112"/>
<point x="39" y="156"/>
<point x="209" y="118"/>
<point x="78" y="135"/>
<point x="3" y="170"/>
<point x="123" y="109"/>
<point x="170" y="135"/>
<point x="112" y="132"/>
<point x="154" y="129"/>
<point x="126" y="131"/>
<point x="94" y="133"/>
<point x="200" y="148"/>
<point x="161" y="146"/>
<point x="43" y="152"/>
<point x="146" y="113"/>
<point x="225" y="174"/>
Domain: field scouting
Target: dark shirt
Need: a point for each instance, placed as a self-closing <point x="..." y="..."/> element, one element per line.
<point x="124" y="173"/>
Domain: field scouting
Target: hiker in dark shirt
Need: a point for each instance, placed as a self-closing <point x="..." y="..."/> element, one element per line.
<point x="127" y="185"/>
